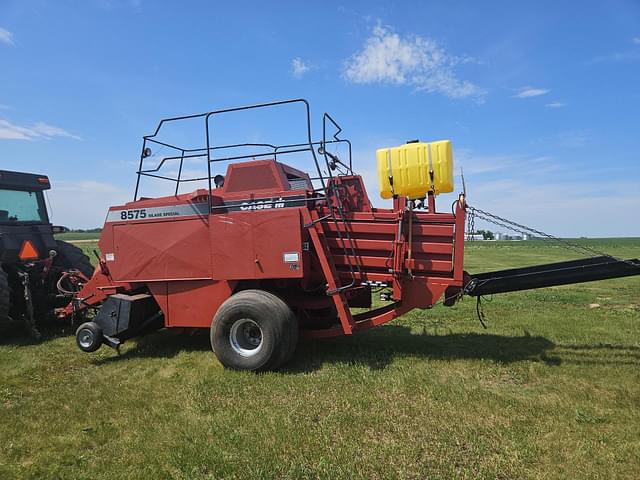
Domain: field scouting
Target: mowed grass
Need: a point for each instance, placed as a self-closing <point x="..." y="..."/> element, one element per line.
<point x="550" y="390"/>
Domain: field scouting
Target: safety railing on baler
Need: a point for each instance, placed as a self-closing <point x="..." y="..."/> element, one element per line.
<point x="332" y="162"/>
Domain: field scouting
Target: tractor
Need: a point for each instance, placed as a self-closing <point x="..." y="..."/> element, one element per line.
<point x="38" y="274"/>
<point x="266" y="252"/>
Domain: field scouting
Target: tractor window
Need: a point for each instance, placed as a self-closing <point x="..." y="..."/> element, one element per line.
<point x="17" y="206"/>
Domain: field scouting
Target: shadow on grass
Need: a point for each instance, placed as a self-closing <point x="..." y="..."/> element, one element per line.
<point x="376" y="348"/>
<point x="163" y="343"/>
<point x="598" y="354"/>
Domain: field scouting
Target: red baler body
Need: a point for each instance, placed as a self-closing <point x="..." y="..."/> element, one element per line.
<point x="267" y="228"/>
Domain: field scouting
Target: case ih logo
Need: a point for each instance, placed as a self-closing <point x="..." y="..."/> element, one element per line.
<point x="262" y="204"/>
<point x="252" y="205"/>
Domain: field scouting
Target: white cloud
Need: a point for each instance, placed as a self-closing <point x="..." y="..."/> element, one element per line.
<point x="95" y="198"/>
<point x="566" y="207"/>
<point x="6" y="36"/>
<point x="478" y="164"/>
<point x="555" y="105"/>
<point x="299" y="68"/>
<point x="50" y="131"/>
<point x="419" y="62"/>
<point x="548" y="193"/>
<point x="527" y="92"/>
<point x="632" y="55"/>
<point x="629" y="55"/>
<point x="10" y="131"/>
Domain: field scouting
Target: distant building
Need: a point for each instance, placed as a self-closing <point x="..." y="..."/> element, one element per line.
<point x="474" y="237"/>
<point x="504" y="236"/>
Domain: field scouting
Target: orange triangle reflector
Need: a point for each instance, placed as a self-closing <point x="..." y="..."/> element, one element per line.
<point x="28" y="251"/>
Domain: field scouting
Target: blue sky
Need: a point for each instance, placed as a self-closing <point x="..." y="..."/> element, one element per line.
<point x="540" y="99"/>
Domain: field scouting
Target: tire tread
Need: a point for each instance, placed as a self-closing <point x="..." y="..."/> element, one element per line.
<point x="282" y="324"/>
<point x="5" y="296"/>
<point x="70" y="256"/>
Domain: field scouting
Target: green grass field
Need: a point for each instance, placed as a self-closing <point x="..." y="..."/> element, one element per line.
<point x="71" y="236"/>
<point x="550" y="390"/>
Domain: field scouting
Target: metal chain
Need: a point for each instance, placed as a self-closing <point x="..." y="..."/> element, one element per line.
<point x="517" y="227"/>
<point x="471" y="224"/>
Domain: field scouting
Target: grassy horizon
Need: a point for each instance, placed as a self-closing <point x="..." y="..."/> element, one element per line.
<point x="71" y="236"/>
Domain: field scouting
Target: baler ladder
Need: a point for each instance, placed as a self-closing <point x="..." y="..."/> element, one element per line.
<point x="345" y="239"/>
<point x="328" y="268"/>
<point x="343" y="235"/>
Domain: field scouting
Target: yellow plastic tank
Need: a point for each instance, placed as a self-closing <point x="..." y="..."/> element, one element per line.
<point x="414" y="169"/>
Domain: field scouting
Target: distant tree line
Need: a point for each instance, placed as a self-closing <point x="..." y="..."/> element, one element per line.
<point x="82" y="230"/>
<point x="486" y="234"/>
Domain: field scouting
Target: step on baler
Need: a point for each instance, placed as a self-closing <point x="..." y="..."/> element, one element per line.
<point x="269" y="252"/>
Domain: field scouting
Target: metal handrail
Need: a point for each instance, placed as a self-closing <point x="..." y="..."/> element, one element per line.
<point x="206" y="152"/>
<point x="187" y="152"/>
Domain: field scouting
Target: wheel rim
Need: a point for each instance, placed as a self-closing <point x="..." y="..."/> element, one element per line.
<point x="245" y="337"/>
<point x="86" y="338"/>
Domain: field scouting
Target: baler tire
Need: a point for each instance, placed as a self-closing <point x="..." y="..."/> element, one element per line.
<point x="275" y="320"/>
<point x="291" y="331"/>
<point x="5" y="296"/>
<point x="97" y="337"/>
<point x="70" y="256"/>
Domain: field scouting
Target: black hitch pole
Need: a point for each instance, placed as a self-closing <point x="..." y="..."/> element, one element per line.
<point x="551" y="274"/>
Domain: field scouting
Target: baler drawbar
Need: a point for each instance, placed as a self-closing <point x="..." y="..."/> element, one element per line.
<point x="550" y="275"/>
<point x="268" y="251"/>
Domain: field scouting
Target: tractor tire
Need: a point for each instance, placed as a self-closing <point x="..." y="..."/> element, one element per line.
<point x="254" y="330"/>
<point x="5" y="297"/>
<point x="70" y="256"/>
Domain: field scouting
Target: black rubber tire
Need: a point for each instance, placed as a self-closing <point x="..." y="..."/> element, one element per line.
<point x="276" y="320"/>
<point x="292" y="331"/>
<point x="95" y="331"/>
<point x="5" y="296"/>
<point x="70" y="256"/>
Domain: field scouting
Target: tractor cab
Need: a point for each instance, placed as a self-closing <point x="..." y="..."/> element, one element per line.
<point x="37" y="272"/>
<point x="25" y="231"/>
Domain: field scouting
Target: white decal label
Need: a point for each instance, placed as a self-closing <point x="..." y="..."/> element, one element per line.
<point x="181" y="210"/>
<point x="290" y="257"/>
<point x="109" y="257"/>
